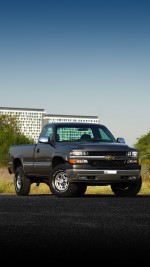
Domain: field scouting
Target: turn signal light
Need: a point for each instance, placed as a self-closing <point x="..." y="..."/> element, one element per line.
<point x="74" y="161"/>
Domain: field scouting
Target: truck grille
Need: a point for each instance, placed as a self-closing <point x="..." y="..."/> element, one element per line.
<point x="101" y="164"/>
<point x="105" y="153"/>
<point x="107" y="164"/>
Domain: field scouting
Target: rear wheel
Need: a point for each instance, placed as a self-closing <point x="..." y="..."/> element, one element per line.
<point x="127" y="189"/>
<point x="59" y="184"/>
<point x="21" y="182"/>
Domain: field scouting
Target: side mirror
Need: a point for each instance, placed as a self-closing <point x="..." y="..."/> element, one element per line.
<point x="120" y="140"/>
<point x="44" y="139"/>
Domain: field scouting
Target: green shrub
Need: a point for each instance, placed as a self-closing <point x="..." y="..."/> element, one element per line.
<point x="10" y="134"/>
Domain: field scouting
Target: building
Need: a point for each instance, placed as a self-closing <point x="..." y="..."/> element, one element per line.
<point x="32" y="120"/>
<point x="69" y="118"/>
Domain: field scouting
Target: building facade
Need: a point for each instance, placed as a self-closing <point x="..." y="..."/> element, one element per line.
<point x="50" y="118"/>
<point x="32" y="120"/>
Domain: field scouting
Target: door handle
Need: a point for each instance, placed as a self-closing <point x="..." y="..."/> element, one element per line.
<point x="38" y="150"/>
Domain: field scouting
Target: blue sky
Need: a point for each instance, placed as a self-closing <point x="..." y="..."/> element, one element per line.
<point x="79" y="57"/>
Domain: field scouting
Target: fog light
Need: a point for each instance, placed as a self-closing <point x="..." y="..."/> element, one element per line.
<point x="82" y="177"/>
<point x="132" y="178"/>
<point x="132" y="161"/>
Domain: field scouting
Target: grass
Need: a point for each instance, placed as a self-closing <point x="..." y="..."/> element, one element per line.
<point x="7" y="185"/>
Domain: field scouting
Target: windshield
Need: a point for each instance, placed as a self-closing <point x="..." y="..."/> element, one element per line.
<point x="93" y="133"/>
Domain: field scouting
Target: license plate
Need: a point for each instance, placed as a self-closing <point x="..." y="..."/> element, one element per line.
<point x="110" y="172"/>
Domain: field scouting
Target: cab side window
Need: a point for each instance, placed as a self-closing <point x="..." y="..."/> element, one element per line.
<point x="47" y="131"/>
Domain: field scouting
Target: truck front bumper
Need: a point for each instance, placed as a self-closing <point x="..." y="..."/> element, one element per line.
<point x="102" y="176"/>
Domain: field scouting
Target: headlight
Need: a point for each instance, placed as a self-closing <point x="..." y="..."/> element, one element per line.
<point x="78" y="153"/>
<point x="133" y="154"/>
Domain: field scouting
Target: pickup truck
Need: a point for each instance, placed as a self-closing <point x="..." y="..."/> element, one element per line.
<point x="68" y="157"/>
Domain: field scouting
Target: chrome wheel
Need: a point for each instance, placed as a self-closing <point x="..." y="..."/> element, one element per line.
<point x="21" y="182"/>
<point x="59" y="184"/>
<point x="61" y="181"/>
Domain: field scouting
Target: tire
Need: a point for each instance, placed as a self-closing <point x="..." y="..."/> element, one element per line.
<point x="59" y="184"/>
<point x="21" y="182"/>
<point x="127" y="189"/>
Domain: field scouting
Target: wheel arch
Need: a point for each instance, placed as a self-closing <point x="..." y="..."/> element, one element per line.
<point x="16" y="163"/>
<point x="57" y="160"/>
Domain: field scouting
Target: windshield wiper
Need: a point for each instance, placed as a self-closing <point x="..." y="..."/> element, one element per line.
<point x="72" y="140"/>
<point x="102" y="140"/>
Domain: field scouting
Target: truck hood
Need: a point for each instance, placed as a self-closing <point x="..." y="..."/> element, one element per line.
<point x="99" y="146"/>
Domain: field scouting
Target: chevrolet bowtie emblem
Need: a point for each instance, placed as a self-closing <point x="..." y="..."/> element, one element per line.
<point x="109" y="157"/>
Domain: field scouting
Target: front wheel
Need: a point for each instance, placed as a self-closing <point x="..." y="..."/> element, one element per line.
<point x="21" y="182"/>
<point x="127" y="189"/>
<point x="59" y="184"/>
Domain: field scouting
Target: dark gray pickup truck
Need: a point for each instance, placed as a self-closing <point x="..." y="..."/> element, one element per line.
<point x="68" y="157"/>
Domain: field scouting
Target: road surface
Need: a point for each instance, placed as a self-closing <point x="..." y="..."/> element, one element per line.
<point x="90" y="227"/>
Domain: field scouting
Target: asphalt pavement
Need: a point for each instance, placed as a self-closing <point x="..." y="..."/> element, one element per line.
<point x="93" y="227"/>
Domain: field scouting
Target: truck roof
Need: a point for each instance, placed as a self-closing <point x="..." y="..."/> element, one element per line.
<point x="89" y="124"/>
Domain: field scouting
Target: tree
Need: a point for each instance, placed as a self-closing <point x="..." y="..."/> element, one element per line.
<point x="143" y="146"/>
<point x="10" y="134"/>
